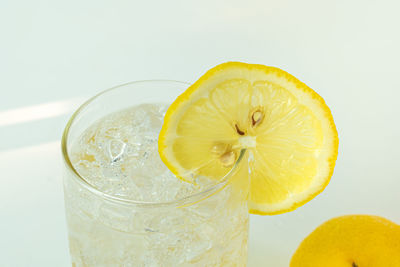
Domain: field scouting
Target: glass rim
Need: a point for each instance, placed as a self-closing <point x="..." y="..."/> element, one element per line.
<point x="185" y="201"/>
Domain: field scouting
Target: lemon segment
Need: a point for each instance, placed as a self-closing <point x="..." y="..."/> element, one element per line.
<point x="286" y="128"/>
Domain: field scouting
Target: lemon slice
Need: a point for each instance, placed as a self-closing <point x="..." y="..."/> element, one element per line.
<point x="286" y="128"/>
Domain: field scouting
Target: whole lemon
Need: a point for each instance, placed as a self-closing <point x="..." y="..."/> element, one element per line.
<point x="351" y="241"/>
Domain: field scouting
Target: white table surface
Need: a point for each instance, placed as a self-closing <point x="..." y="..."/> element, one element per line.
<point x="54" y="54"/>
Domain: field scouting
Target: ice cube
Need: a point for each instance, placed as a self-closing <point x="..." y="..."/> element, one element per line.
<point x="116" y="149"/>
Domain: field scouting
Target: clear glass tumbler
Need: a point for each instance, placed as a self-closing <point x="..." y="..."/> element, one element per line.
<point x="207" y="228"/>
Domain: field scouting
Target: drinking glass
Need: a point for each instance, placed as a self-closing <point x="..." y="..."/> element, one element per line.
<point x="206" y="228"/>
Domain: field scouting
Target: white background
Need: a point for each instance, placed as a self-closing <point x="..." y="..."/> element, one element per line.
<point x="54" y="54"/>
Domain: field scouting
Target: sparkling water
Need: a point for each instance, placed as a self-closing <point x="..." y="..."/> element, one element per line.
<point x="118" y="155"/>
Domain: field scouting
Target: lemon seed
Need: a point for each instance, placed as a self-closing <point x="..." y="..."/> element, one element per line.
<point x="228" y="158"/>
<point x="257" y="117"/>
<point x="218" y="149"/>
